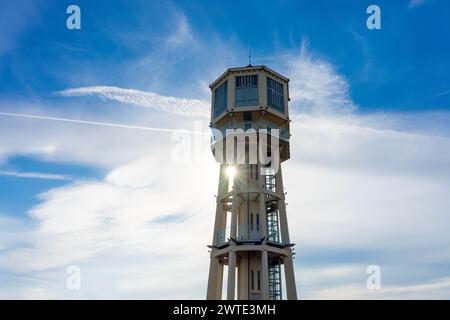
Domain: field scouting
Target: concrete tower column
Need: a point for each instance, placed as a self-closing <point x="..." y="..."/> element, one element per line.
<point x="243" y="277"/>
<point x="214" y="284"/>
<point x="263" y="214"/>
<point x="234" y="212"/>
<point x="264" y="275"/>
<point x="219" y="224"/>
<point x="219" y="281"/>
<point x="291" y="289"/>
<point x="231" y="286"/>
<point x="215" y="279"/>
<point x="282" y="208"/>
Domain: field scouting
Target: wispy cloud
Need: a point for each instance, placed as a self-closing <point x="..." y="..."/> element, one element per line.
<point x="186" y="107"/>
<point x="36" y="175"/>
<point x="183" y="34"/>
<point x="442" y="93"/>
<point x="115" y="213"/>
<point x="19" y="18"/>
<point x="415" y="3"/>
<point x="316" y="86"/>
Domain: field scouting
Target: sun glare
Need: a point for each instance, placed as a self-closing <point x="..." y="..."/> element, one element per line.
<point x="231" y="172"/>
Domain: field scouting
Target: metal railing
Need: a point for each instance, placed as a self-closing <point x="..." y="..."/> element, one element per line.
<point x="244" y="232"/>
<point x="247" y="232"/>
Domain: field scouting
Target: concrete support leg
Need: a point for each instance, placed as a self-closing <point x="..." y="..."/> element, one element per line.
<point x="283" y="222"/>
<point x="234" y="213"/>
<point x="243" y="277"/>
<point x="264" y="275"/>
<point x="291" y="289"/>
<point x="211" y="293"/>
<point x="231" y="287"/>
<point x="219" y="282"/>
<point x="263" y="215"/>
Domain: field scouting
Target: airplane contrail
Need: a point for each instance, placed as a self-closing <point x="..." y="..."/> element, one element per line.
<point x="106" y="124"/>
<point x="35" y="175"/>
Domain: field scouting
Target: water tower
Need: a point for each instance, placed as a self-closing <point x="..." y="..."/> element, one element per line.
<point x="251" y="244"/>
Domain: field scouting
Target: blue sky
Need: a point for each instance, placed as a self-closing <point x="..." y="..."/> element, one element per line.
<point x="405" y="60"/>
<point x="369" y="170"/>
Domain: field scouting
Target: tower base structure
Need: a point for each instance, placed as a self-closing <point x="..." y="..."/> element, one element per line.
<point x="255" y="249"/>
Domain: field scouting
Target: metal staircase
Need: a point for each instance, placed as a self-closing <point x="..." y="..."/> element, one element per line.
<point x="275" y="279"/>
<point x="273" y="235"/>
<point x="273" y="231"/>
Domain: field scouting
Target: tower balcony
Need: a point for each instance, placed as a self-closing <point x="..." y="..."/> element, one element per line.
<point x="248" y="233"/>
<point x="284" y="133"/>
<point x="244" y="134"/>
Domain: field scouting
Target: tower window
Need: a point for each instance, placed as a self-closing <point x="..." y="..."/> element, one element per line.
<point x="275" y="95"/>
<point x="246" y="91"/>
<point x="252" y="280"/>
<point x="258" y="281"/>
<point x="220" y="99"/>
<point x="247" y="120"/>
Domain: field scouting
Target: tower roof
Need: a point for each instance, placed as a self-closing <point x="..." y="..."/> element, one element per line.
<point x="248" y="68"/>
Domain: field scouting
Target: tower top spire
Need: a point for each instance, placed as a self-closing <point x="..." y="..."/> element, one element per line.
<point x="249" y="58"/>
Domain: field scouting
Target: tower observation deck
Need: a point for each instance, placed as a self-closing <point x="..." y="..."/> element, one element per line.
<point x="250" y="140"/>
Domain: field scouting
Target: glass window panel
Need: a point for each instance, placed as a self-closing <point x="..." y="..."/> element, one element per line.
<point x="220" y="99"/>
<point x="246" y="91"/>
<point x="275" y="95"/>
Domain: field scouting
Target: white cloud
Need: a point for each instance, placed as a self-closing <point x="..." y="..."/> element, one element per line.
<point x="340" y="196"/>
<point x="356" y="183"/>
<point x="13" y="232"/>
<point x="315" y="85"/>
<point x="119" y="218"/>
<point x="187" y="107"/>
<point x="34" y="293"/>
<point x="183" y="34"/>
<point x="81" y="220"/>
<point x="175" y="45"/>
<point x="104" y="140"/>
<point x="434" y="289"/>
<point x="51" y="149"/>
